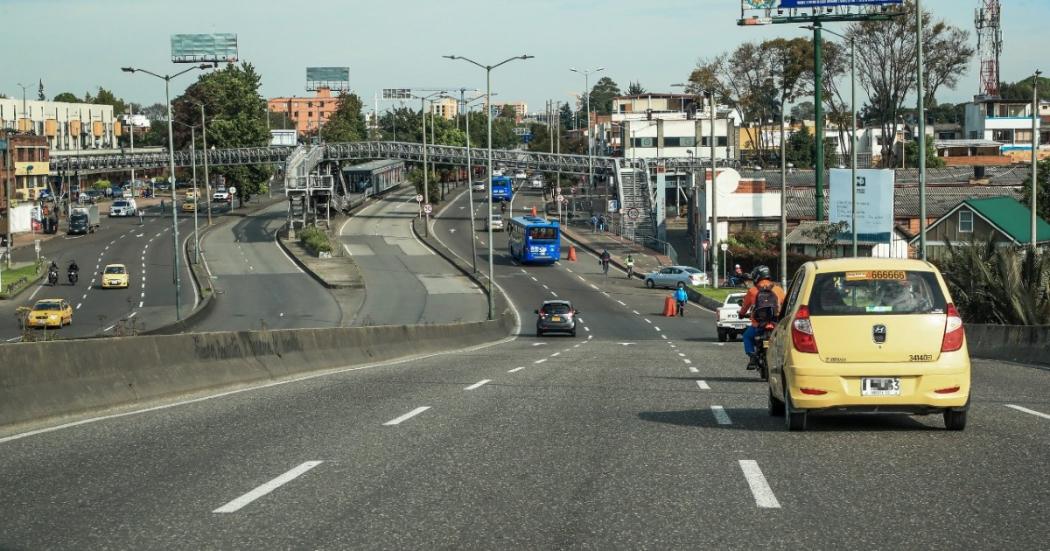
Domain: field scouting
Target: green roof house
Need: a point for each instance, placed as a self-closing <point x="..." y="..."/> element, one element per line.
<point x="1002" y="220"/>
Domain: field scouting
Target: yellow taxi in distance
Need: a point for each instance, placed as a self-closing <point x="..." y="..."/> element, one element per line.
<point x="115" y="276"/>
<point x="189" y="206"/>
<point x="869" y="335"/>
<point x="51" y="312"/>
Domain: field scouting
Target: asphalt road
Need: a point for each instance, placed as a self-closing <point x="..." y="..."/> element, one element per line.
<point x="406" y="283"/>
<point x="257" y="285"/>
<point x="147" y="303"/>
<point x="642" y="432"/>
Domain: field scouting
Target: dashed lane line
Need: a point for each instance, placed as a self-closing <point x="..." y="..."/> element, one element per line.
<point x="541" y="360"/>
<point x="760" y="489"/>
<point x="478" y="384"/>
<point x="240" y="502"/>
<point x="406" y="417"/>
<point x="516" y="369"/>
<point x="1028" y="411"/>
<point x="703" y="385"/>
<point x="721" y="417"/>
<point x="687" y="361"/>
<point x="693" y="370"/>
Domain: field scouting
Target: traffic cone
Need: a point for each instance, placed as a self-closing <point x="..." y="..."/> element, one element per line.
<point x="534" y="211"/>
<point x="669" y="307"/>
<point x="572" y="253"/>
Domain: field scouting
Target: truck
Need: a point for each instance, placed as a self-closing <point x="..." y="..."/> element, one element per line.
<point x="84" y="219"/>
<point x="727" y="318"/>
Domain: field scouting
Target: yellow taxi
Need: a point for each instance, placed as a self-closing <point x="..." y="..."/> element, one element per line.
<point x="50" y="312"/>
<point x="115" y="276"/>
<point x="189" y="206"/>
<point x="868" y="335"/>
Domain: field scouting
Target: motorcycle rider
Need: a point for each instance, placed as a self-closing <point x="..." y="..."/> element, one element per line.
<point x="52" y="273"/>
<point x="765" y="296"/>
<point x="604" y="261"/>
<point x="74" y="271"/>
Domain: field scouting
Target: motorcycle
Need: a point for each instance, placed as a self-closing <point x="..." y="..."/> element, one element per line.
<point x="762" y="348"/>
<point x="74" y="275"/>
<point x="52" y="277"/>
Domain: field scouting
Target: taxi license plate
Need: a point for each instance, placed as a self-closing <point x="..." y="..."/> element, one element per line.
<point x="555" y="318"/>
<point x="880" y="386"/>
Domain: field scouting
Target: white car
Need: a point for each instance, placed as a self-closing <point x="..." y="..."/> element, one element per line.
<point x="220" y="195"/>
<point x="537" y="183"/>
<point x="520" y="175"/>
<point x="128" y="193"/>
<point x="496" y="222"/>
<point x="727" y="318"/>
<point x="123" y="207"/>
<point x="478" y="186"/>
<point x="671" y="276"/>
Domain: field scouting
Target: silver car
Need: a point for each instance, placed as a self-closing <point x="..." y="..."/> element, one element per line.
<point x="671" y="276"/>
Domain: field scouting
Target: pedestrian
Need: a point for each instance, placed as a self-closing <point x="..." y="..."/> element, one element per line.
<point x="594" y="223"/>
<point x="601" y="223"/>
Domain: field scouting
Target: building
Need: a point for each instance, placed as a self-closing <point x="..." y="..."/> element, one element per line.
<point x="801" y="240"/>
<point x="1008" y="122"/>
<point x="667" y="126"/>
<point x="66" y="126"/>
<point x="521" y="109"/>
<point x="446" y="108"/>
<point x="28" y="162"/>
<point x="975" y="153"/>
<point x="309" y="113"/>
<point x="1002" y="220"/>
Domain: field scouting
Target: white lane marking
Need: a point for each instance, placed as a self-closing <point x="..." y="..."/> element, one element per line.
<point x="655" y="327"/>
<point x="133" y="314"/>
<point x="554" y="294"/>
<point x="693" y="370"/>
<point x="141" y="303"/>
<point x="581" y="277"/>
<point x="681" y="355"/>
<point x="605" y="293"/>
<point x="110" y="328"/>
<point x="533" y="278"/>
<point x="237" y="504"/>
<point x="1028" y="411"/>
<point x="720" y="415"/>
<point x="84" y="297"/>
<point x="516" y="369"/>
<point x="524" y="271"/>
<point x="703" y="385"/>
<point x="595" y="287"/>
<point x="576" y="346"/>
<point x="569" y="270"/>
<point x="687" y="361"/>
<point x="547" y="288"/>
<point x="540" y="361"/>
<point x="664" y="337"/>
<point x="622" y="303"/>
<point x="589" y="337"/>
<point x="539" y="344"/>
<point x="406" y="417"/>
<point x="290" y="261"/>
<point x="478" y="384"/>
<point x="647" y="320"/>
<point x="587" y="329"/>
<point x="636" y="312"/>
<point x="556" y="354"/>
<point x="78" y="305"/>
<point x="764" y="497"/>
<point x="37" y="290"/>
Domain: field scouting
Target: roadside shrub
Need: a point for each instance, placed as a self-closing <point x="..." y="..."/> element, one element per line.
<point x="315" y="240"/>
<point x="993" y="284"/>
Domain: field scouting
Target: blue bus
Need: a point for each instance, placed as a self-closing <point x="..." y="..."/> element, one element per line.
<point x="534" y="240"/>
<point x="502" y="188"/>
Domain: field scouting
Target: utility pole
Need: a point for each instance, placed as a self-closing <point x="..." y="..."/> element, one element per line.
<point x="207" y="181"/>
<point x="714" y="192"/>
<point x="922" y="130"/>
<point x="1035" y="158"/>
<point x="818" y="104"/>
<point x="783" y="198"/>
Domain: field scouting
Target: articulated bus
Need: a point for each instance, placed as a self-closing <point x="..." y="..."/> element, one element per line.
<point x="534" y="240"/>
<point x="502" y="188"/>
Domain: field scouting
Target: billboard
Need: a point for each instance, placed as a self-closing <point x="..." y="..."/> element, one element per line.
<point x="333" y="78"/>
<point x="204" y="48"/>
<point x="788" y="4"/>
<point x="874" y="203"/>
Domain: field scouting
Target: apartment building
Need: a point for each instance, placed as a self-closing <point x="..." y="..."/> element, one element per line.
<point x="1008" y="122"/>
<point x="66" y="126"/>
<point x="446" y="108"/>
<point x="309" y="113"/>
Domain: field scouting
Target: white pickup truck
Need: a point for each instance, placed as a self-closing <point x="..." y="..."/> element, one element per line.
<point x="727" y="318"/>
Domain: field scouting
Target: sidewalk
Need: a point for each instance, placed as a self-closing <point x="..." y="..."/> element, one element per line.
<point x="645" y="260"/>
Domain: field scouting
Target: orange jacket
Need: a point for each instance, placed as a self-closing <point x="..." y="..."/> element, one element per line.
<point x="752" y="294"/>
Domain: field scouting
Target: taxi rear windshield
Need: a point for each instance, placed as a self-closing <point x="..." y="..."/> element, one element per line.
<point x="48" y="306"/>
<point x="867" y="292"/>
<point x="543" y="234"/>
<point x="114" y="269"/>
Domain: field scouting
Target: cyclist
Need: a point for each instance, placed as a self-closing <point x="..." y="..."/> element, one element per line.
<point x="604" y="261"/>
<point x="629" y="262"/>
<point x="762" y="305"/>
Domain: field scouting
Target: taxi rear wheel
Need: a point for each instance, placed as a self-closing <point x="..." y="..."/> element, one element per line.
<point x="955" y="420"/>
<point x="776" y="407"/>
<point x="794" y="419"/>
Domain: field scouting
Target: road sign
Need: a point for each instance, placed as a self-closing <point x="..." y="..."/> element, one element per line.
<point x="724" y="247"/>
<point x="428" y="208"/>
<point x="419" y="198"/>
<point x="632" y="213"/>
<point x="397" y="93"/>
<point x="233" y="191"/>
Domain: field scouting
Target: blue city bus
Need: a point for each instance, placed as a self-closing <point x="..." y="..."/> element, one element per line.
<point x="502" y="188"/>
<point x="534" y="240"/>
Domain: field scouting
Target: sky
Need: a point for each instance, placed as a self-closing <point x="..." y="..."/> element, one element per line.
<point x="79" y="45"/>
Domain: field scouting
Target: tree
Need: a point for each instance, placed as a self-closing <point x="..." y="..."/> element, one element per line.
<point x="804" y="111"/>
<point x="236" y="117"/>
<point x="508" y="112"/>
<point x="602" y="95"/>
<point x="888" y="67"/>
<point x="800" y="147"/>
<point x="827" y="236"/>
<point x="155" y="112"/>
<point x="105" y="97"/>
<point x="66" y="97"/>
<point x="911" y="151"/>
<point x="635" y="89"/>
<point x="565" y="116"/>
<point x="347" y="124"/>
<point x="40" y="91"/>
<point x="1022" y="89"/>
<point x="1043" y="198"/>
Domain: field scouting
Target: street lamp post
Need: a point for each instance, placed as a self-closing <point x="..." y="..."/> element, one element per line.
<point x="196" y="197"/>
<point x="488" y="115"/>
<point x="470" y="186"/>
<point x="714" y="188"/>
<point x="921" y="112"/>
<point x="587" y="98"/>
<point x="204" y="150"/>
<point x="426" y="169"/>
<point x="171" y="176"/>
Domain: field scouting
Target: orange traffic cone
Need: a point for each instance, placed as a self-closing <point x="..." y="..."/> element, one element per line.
<point x="572" y="253"/>
<point x="669" y="307"/>
<point x="534" y="211"/>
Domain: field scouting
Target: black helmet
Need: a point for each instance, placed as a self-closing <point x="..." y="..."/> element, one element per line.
<point x="760" y="273"/>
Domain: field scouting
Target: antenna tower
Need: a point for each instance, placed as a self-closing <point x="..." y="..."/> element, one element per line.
<point x="989" y="45"/>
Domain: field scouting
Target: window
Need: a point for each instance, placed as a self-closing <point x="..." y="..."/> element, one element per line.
<point x="1006" y="136"/>
<point x="965" y="221"/>
<point x="1022" y="136"/>
<point x="309" y="104"/>
<point x="882" y="292"/>
<point x="792" y="295"/>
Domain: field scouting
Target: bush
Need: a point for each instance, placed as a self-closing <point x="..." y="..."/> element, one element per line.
<point x="315" y="240"/>
<point x="101" y="185"/>
<point x="992" y="284"/>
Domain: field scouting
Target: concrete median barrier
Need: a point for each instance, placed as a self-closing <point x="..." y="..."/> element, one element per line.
<point x="1013" y="343"/>
<point x="43" y="382"/>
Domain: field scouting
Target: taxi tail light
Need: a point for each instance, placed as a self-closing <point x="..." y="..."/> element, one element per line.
<point x="949" y="390"/>
<point x="954" y="334"/>
<point x="802" y="332"/>
<point x="813" y="391"/>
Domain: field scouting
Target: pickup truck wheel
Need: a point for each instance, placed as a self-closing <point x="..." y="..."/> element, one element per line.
<point x="733" y="335"/>
<point x="722" y="336"/>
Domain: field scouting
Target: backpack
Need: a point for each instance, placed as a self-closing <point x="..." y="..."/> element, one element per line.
<point x="766" y="306"/>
